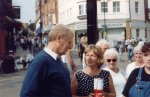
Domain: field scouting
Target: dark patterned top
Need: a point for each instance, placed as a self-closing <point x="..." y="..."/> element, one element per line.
<point x="86" y="82"/>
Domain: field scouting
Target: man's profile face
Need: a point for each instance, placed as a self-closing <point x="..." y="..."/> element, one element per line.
<point x="104" y="47"/>
<point x="65" y="44"/>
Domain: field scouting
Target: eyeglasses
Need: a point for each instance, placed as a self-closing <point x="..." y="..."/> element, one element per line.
<point x="113" y="60"/>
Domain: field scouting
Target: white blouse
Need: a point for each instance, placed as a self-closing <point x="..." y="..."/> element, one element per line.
<point x="130" y="67"/>
<point x="119" y="80"/>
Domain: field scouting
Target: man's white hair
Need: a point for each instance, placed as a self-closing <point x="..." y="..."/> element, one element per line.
<point x="102" y="42"/>
<point x="111" y="52"/>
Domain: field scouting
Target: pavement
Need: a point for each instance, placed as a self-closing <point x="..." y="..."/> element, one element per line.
<point x="10" y="84"/>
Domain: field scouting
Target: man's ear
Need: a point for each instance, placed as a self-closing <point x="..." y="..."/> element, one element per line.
<point x="58" y="38"/>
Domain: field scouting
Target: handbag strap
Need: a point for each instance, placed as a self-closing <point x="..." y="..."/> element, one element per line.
<point x="139" y="75"/>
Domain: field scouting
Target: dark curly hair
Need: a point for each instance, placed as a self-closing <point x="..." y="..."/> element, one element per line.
<point x="146" y="47"/>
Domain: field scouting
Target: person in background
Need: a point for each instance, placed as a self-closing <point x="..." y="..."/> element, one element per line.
<point x="17" y="60"/>
<point x="138" y="83"/>
<point x="23" y="61"/>
<point x="111" y="58"/>
<point x="36" y="49"/>
<point x="138" y="60"/>
<point x="103" y="44"/>
<point x="82" y="83"/>
<point x="121" y="50"/>
<point x="129" y="42"/>
<point x="69" y="62"/>
<point x="83" y="44"/>
<point x="29" y="58"/>
<point x="47" y="76"/>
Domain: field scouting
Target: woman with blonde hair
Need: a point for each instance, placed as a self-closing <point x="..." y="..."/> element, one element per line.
<point x="84" y="41"/>
<point x="83" y="44"/>
<point x="82" y="83"/>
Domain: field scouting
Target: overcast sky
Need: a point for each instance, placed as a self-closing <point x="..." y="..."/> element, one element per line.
<point x="149" y="3"/>
<point x="27" y="9"/>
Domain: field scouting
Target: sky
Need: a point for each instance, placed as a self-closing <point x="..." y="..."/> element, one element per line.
<point x="149" y="3"/>
<point x="27" y="10"/>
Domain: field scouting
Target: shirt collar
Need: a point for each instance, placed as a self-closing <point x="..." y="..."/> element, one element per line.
<point x="51" y="53"/>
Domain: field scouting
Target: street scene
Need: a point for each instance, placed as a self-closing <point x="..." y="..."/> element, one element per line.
<point x="51" y="50"/>
<point x="10" y="84"/>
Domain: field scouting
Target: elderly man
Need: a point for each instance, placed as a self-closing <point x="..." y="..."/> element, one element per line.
<point x="103" y="44"/>
<point x="47" y="76"/>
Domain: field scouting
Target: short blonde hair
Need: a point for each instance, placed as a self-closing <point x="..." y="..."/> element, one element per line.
<point x="84" y="40"/>
<point x="97" y="51"/>
<point x="61" y="30"/>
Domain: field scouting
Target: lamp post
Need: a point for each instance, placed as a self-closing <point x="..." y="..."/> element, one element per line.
<point x="92" y="31"/>
<point x="41" y="22"/>
<point x="104" y="26"/>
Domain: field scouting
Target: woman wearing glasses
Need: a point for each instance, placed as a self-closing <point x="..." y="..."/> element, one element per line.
<point x="111" y="57"/>
<point x="82" y="84"/>
<point x="138" y="83"/>
<point x="138" y="55"/>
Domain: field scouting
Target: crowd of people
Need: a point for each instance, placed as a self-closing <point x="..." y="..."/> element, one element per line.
<point x="53" y="73"/>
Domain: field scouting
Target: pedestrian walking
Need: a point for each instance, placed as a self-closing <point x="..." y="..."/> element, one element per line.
<point x="47" y="76"/>
<point x="130" y="47"/>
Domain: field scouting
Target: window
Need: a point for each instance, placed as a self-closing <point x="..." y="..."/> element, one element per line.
<point x="136" y="7"/>
<point x="116" y="6"/>
<point x="104" y="7"/>
<point x="137" y="32"/>
<point x="81" y="10"/>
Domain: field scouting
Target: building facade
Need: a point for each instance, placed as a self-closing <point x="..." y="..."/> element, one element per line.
<point x="8" y="14"/>
<point x="46" y="13"/>
<point x="117" y="19"/>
